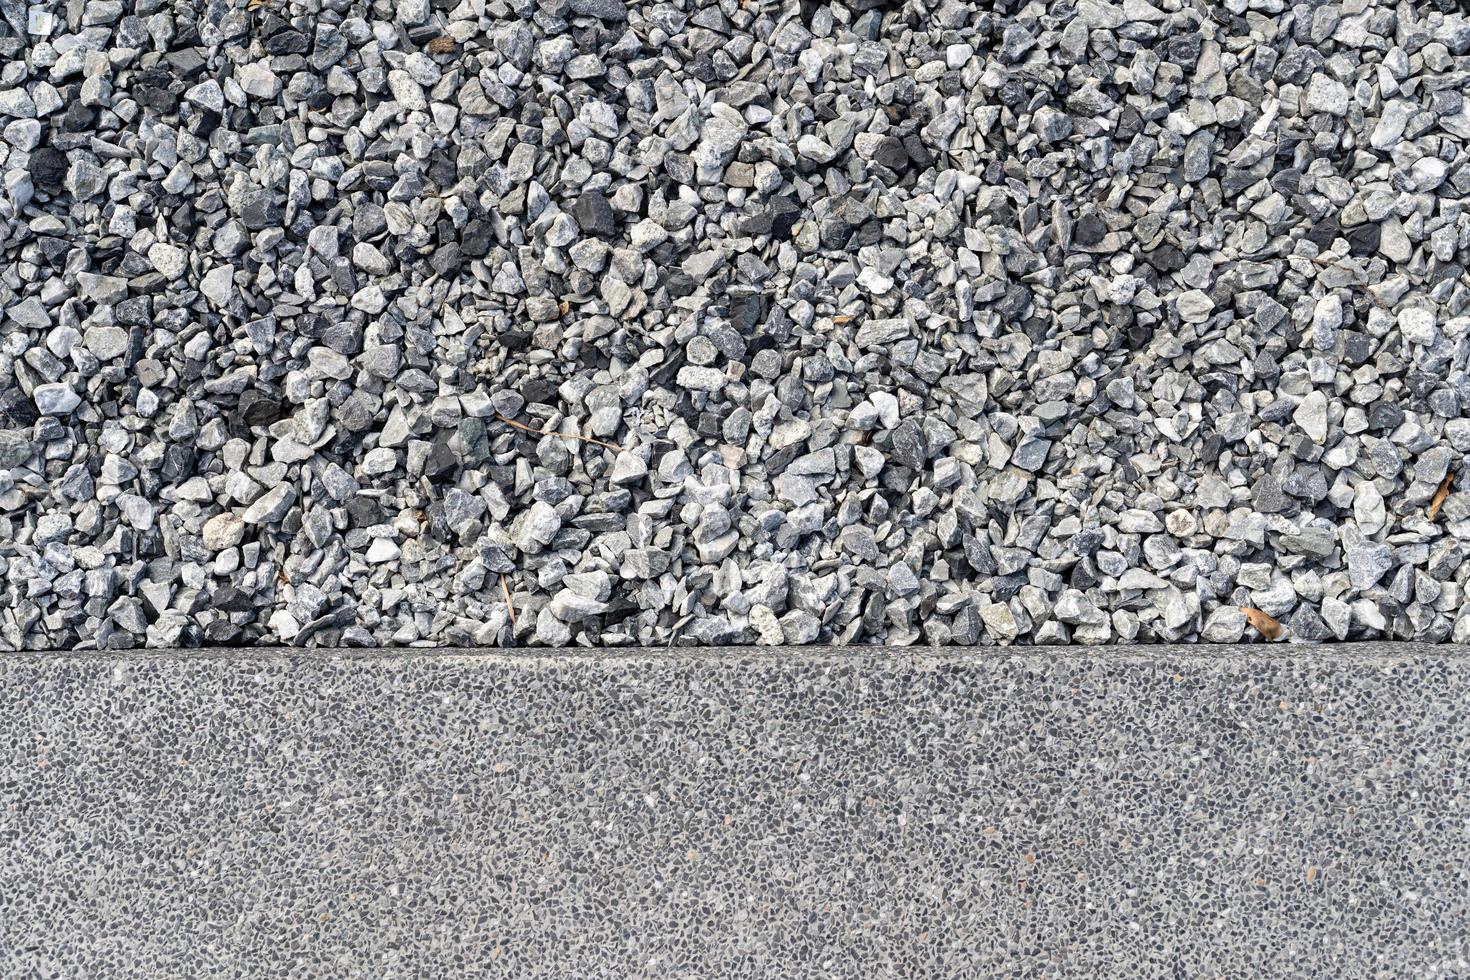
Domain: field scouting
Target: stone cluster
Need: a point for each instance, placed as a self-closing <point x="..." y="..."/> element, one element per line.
<point x="593" y="322"/>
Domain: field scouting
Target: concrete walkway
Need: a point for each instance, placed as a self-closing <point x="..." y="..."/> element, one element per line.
<point x="1262" y="811"/>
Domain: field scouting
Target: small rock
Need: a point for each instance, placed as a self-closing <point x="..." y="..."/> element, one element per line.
<point x="55" y="399"/>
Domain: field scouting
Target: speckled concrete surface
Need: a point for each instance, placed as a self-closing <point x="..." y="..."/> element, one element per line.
<point x="1177" y="813"/>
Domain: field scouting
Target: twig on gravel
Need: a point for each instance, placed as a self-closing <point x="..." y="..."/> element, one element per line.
<point x="1440" y="494"/>
<point x="509" y="605"/>
<point x="565" y="435"/>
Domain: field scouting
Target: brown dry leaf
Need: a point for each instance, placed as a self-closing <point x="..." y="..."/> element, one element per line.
<point x="444" y="44"/>
<point x="1265" y="625"/>
<point x="1440" y="494"/>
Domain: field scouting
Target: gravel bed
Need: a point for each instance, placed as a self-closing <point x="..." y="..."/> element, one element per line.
<point x="604" y="323"/>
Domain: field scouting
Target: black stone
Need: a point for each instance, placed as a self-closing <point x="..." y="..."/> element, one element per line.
<point x="1085" y="542"/>
<point x="135" y="311"/>
<point x="1267" y="496"/>
<point x="1286" y="181"/>
<point x="53" y="249"/>
<point x="920" y="154"/>
<point x="513" y="340"/>
<point x="368" y="222"/>
<point x="261" y="211"/>
<point x="1212" y="445"/>
<point x="442" y="460"/>
<point x="1089" y="230"/>
<point x="48" y="168"/>
<point x="1305" y="624"/>
<point x="365" y="511"/>
<point x="1278" y="411"/>
<point x="1308" y="483"/>
<point x="204" y="122"/>
<point x="186" y="60"/>
<point x="594" y="215"/>
<point x="475" y="240"/>
<point x="1165" y="258"/>
<point x="757" y="222"/>
<point x="679" y="283"/>
<point x="1324" y="232"/>
<point x="1015" y="302"/>
<point x="538" y="391"/>
<point x="1385" y="415"/>
<point x="178" y="462"/>
<point x="258" y="409"/>
<point x="16" y="408"/>
<point x="228" y="598"/>
<point x="609" y="10"/>
<point x="221" y="632"/>
<point x="344" y="337"/>
<point x="379" y="174"/>
<point x="1363" y="239"/>
<point x="746" y="312"/>
<point x="288" y="41"/>
<point x="1356" y="347"/>
<point x="152" y="89"/>
<point x="785" y="213"/>
<point x="1237" y="179"/>
<point x="891" y="154"/>
<point x="1130" y="124"/>
<point x="443" y="170"/>
<point x="908" y="446"/>
<point x="1083" y="576"/>
<point x="78" y="118"/>
<point x="447" y="259"/>
<point x="1184" y="48"/>
<point x="1266" y="365"/>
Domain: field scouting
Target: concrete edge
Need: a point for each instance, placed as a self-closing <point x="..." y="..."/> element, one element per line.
<point x="1368" y="652"/>
<point x="1125" y="812"/>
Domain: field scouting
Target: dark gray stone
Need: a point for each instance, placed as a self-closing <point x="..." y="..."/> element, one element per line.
<point x="908" y="447"/>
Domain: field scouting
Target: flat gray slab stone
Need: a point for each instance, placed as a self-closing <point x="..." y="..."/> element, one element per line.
<point x="1215" y="812"/>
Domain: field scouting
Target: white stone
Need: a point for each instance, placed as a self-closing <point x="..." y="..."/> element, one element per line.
<point x="271" y="506"/>
<point x="647" y="235"/>
<point x="1368" y="508"/>
<point x="169" y="260"/>
<point x="1311" y="416"/>
<point x="55" y="399"/>
<point x="1327" y="94"/>
<point x="1419" y="325"/>
<point x="701" y="378"/>
<point x="223" y="531"/>
<point x="1194" y="306"/>
<point x="382" y="550"/>
<point x="218" y="285"/>
<point x="258" y="81"/>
